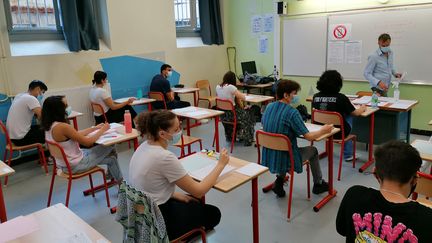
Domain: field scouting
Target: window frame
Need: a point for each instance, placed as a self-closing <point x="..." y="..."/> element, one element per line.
<point x="193" y="30"/>
<point x="33" y="34"/>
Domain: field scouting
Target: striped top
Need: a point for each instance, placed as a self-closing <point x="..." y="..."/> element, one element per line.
<point x="283" y="119"/>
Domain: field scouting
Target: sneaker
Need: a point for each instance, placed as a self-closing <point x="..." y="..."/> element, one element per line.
<point x="350" y="158"/>
<point x="320" y="188"/>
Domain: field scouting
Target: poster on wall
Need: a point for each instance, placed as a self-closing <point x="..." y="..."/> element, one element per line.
<point x="256" y="24"/>
<point x="268" y="23"/>
<point x="353" y="52"/>
<point x="339" y="32"/>
<point x="336" y="51"/>
<point x="263" y="44"/>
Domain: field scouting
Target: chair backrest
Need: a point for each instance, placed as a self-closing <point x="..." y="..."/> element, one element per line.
<point x="328" y="117"/>
<point x="364" y="93"/>
<point x="157" y="96"/>
<point x="224" y="104"/>
<point x="99" y="109"/>
<point x="57" y="151"/>
<point x="273" y="141"/>
<point x="424" y="184"/>
<point x="3" y="130"/>
<point x="203" y="85"/>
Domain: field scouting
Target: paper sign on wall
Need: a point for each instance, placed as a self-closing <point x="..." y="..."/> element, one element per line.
<point x="340" y="32"/>
<point x="268" y="23"/>
<point x="263" y="44"/>
<point x="256" y="24"/>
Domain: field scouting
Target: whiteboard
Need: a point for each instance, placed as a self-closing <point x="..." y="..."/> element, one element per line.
<point x="411" y="32"/>
<point x="304" y="46"/>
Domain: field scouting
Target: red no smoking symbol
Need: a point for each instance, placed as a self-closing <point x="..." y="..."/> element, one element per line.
<point x="340" y="32"/>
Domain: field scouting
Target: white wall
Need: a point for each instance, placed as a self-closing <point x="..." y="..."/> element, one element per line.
<point x="136" y="27"/>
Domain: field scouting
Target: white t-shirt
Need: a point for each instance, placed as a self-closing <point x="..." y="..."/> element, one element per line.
<point x="98" y="95"/>
<point x="20" y="115"/>
<point x="154" y="171"/>
<point x="226" y="92"/>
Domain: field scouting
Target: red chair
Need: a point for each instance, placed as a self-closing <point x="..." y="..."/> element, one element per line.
<point x="99" y="109"/>
<point x="227" y="105"/>
<point x="57" y="152"/>
<point x="204" y="85"/>
<point x="10" y="148"/>
<point x="424" y="187"/>
<point x="158" y="96"/>
<point x="281" y="142"/>
<point x="331" y="117"/>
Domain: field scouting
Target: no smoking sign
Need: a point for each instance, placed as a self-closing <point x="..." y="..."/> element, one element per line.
<point x="340" y="32"/>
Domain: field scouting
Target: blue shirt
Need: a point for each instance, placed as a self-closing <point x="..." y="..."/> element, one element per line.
<point x="283" y="119"/>
<point x="379" y="67"/>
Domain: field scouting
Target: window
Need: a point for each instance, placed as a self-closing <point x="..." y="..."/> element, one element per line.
<point x="33" y="20"/>
<point x="187" y="18"/>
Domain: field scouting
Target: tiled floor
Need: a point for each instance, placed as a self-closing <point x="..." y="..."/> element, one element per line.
<point x="28" y="189"/>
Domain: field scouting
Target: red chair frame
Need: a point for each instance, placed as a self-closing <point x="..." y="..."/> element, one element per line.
<point x="99" y="109"/>
<point x="158" y="96"/>
<point x="205" y="85"/>
<point x="227" y="105"/>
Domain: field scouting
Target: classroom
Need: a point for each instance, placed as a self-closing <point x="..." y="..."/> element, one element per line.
<point x="215" y="121"/>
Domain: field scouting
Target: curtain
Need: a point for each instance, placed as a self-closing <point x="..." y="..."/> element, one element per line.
<point x="79" y="24"/>
<point x="211" y="22"/>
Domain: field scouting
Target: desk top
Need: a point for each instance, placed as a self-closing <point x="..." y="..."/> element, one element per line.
<point x="261" y="86"/>
<point x="315" y="127"/>
<point x="125" y="136"/>
<point x="197" y="113"/>
<point x="75" y="114"/>
<point x="369" y="111"/>
<point x="424" y="147"/>
<point x="5" y="170"/>
<point x="58" y="224"/>
<point x="251" y="98"/>
<point x="141" y="101"/>
<point x="232" y="179"/>
<point x="184" y="90"/>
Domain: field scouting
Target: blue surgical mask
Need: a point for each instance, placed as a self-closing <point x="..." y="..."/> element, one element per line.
<point x="385" y="49"/>
<point x="169" y="73"/>
<point x="295" y="100"/>
<point x="40" y="98"/>
<point x="68" y="110"/>
<point x="175" y="138"/>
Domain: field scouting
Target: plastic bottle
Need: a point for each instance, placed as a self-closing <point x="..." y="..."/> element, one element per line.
<point x="139" y="94"/>
<point x="127" y="121"/>
<point x="275" y="73"/>
<point x="374" y="100"/>
<point x="396" y="94"/>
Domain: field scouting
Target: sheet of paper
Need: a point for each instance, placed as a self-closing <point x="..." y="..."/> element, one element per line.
<point x="121" y="100"/>
<point x="386" y="99"/>
<point x="196" y="162"/>
<point x="263" y="44"/>
<point x="313" y="127"/>
<point x="268" y="23"/>
<point x="352" y="96"/>
<point x="423" y="146"/>
<point x="256" y="24"/>
<point x="17" y="227"/>
<point x="115" y="125"/>
<point x="336" y="50"/>
<point x="6" y="170"/>
<point x="401" y="105"/>
<point x="79" y="237"/>
<point x="186" y="109"/>
<point x="251" y="169"/>
<point x="198" y="113"/>
<point x="107" y="137"/>
<point x="200" y="174"/>
<point x="362" y="100"/>
<point x="353" y="51"/>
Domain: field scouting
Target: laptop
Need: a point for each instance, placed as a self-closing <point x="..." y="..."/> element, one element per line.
<point x="249" y="67"/>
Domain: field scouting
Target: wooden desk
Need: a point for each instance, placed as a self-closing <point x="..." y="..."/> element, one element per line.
<point x="142" y="101"/>
<point x="56" y="224"/>
<point x="232" y="180"/>
<point x="73" y="116"/>
<point x="329" y="148"/>
<point x="370" y="112"/>
<point x="261" y="87"/>
<point x="5" y="170"/>
<point x="251" y="98"/>
<point x="190" y="113"/>
<point x="425" y="149"/>
<point x="194" y="91"/>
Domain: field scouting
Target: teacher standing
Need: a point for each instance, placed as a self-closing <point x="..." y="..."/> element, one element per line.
<point x="380" y="69"/>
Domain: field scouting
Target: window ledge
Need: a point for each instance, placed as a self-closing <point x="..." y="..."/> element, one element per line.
<point x="185" y="42"/>
<point x="46" y="47"/>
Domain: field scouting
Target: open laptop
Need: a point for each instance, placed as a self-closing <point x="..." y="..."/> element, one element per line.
<point x="249" y="67"/>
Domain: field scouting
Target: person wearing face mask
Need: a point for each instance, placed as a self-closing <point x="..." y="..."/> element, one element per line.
<point x="330" y="99"/>
<point x="380" y="67"/>
<point x="156" y="171"/>
<point x="114" y="112"/>
<point x="57" y="129"/>
<point x="20" y="116"/>
<point x="245" y="116"/>
<point x="387" y="214"/>
<point x="281" y="118"/>
<point x="161" y="84"/>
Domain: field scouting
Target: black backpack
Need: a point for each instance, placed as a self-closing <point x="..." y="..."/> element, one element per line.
<point x="303" y="112"/>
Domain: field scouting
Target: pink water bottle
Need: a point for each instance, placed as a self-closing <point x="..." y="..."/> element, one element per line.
<point x="128" y="121"/>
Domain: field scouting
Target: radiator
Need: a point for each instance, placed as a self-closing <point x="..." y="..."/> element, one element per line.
<point x="78" y="99"/>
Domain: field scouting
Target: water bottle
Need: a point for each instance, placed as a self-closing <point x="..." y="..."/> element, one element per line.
<point x="275" y="73"/>
<point x="139" y="93"/>
<point x="128" y="121"/>
<point x="396" y="94"/>
<point x="374" y="100"/>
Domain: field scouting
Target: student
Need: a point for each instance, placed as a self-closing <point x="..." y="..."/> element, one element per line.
<point x="113" y="112"/>
<point x="329" y="99"/>
<point x="161" y="84"/>
<point x="156" y="171"/>
<point x="387" y="215"/>
<point x="20" y="116"/>
<point x="57" y="129"/>
<point x="280" y="117"/>
<point x="228" y="90"/>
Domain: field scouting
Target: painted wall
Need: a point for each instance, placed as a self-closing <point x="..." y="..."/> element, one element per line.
<point x="239" y="28"/>
<point x="136" y="27"/>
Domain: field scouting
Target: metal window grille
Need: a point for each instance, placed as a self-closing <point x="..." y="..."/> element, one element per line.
<point x="33" y="15"/>
<point x="186" y="15"/>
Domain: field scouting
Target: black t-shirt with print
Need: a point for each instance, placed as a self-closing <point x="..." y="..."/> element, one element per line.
<point x="366" y="216"/>
<point x="334" y="102"/>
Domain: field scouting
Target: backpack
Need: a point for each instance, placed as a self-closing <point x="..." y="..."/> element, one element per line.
<point x="303" y="112"/>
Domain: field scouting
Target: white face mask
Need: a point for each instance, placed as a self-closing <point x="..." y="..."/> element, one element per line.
<point x="169" y="74"/>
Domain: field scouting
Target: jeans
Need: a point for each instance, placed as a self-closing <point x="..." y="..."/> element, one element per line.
<point x="311" y="153"/>
<point x="348" y="147"/>
<point x="98" y="155"/>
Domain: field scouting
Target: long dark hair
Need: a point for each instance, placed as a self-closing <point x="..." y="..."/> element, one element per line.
<point x="150" y="123"/>
<point x="98" y="77"/>
<point x="229" y="78"/>
<point x="53" y="110"/>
